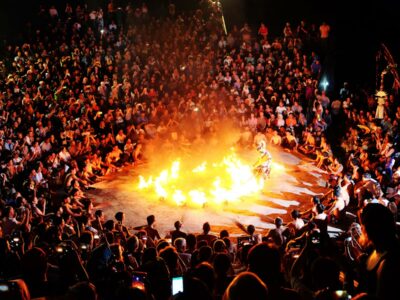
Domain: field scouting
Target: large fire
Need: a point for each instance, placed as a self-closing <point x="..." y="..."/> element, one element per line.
<point x="216" y="182"/>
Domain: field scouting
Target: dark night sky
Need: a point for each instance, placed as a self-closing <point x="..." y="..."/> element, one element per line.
<point x="357" y="26"/>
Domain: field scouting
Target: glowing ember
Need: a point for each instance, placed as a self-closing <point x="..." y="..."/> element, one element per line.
<point x="211" y="182"/>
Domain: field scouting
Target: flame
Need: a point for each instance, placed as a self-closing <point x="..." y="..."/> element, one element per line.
<point x="210" y="182"/>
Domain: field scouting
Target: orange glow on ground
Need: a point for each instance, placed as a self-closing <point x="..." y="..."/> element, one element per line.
<point x="211" y="182"/>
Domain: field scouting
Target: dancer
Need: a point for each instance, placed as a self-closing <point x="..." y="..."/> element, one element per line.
<point x="263" y="165"/>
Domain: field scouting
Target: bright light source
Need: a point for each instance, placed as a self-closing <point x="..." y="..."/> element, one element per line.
<point x="324" y="83"/>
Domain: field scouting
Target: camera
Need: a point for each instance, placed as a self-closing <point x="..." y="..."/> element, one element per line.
<point x="15" y="241"/>
<point x="245" y="240"/>
<point x="341" y="294"/>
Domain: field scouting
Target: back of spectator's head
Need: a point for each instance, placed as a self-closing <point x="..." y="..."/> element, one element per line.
<point x="205" y="272"/>
<point x="205" y="253"/>
<point x="224" y="234"/>
<point x="180" y="244"/>
<point x="379" y="225"/>
<point x="206" y="228"/>
<point x="194" y="289"/>
<point x="219" y="246"/>
<point x="295" y="214"/>
<point x="201" y="243"/>
<point x="316" y="200"/>
<point x="149" y="254"/>
<point x="265" y="261"/>
<point x="222" y="264"/>
<point x="320" y="208"/>
<point x="251" y="229"/>
<point x="119" y="216"/>
<point x="34" y="265"/>
<point x="161" y="244"/>
<point x="278" y="222"/>
<point x="109" y="225"/>
<point x="82" y="291"/>
<point x="132" y="244"/>
<point x="98" y="213"/>
<point x="170" y="257"/>
<point x="227" y="242"/>
<point x="246" y="285"/>
<point x="191" y="241"/>
<point x="150" y="220"/>
<point x="178" y="225"/>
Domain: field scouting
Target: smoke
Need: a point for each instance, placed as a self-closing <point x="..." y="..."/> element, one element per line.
<point x="191" y="143"/>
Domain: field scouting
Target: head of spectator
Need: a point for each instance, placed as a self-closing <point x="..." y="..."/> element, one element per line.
<point x="205" y="253"/>
<point x="161" y="244"/>
<point x="205" y="272"/>
<point x="151" y="220"/>
<point x="246" y="285"/>
<point x="132" y="244"/>
<point x="171" y="258"/>
<point x="224" y="234"/>
<point x="278" y="222"/>
<point x="206" y="228"/>
<point x="180" y="245"/>
<point x="378" y="227"/>
<point x="120" y="217"/>
<point x="222" y="264"/>
<point x="219" y="246"/>
<point x="251" y="229"/>
<point x="178" y="225"/>
<point x="82" y="291"/>
<point x="265" y="261"/>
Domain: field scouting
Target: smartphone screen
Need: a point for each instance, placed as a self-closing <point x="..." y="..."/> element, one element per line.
<point x="139" y="280"/>
<point x="177" y="285"/>
<point x="4" y="287"/>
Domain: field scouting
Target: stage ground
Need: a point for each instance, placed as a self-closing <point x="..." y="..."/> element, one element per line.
<point x="287" y="189"/>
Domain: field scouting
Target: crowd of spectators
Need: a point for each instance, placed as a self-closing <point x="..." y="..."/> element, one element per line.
<point x="86" y="93"/>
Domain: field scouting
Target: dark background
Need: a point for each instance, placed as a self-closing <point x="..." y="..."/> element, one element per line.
<point x="357" y="26"/>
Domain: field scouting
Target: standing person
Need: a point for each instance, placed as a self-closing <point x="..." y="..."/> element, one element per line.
<point x="177" y="233"/>
<point x="263" y="31"/>
<point x="324" y="30"/>
<point x="263" y="165"/>
<point x="206" y="236"/>
<point x="150" y="228"/>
